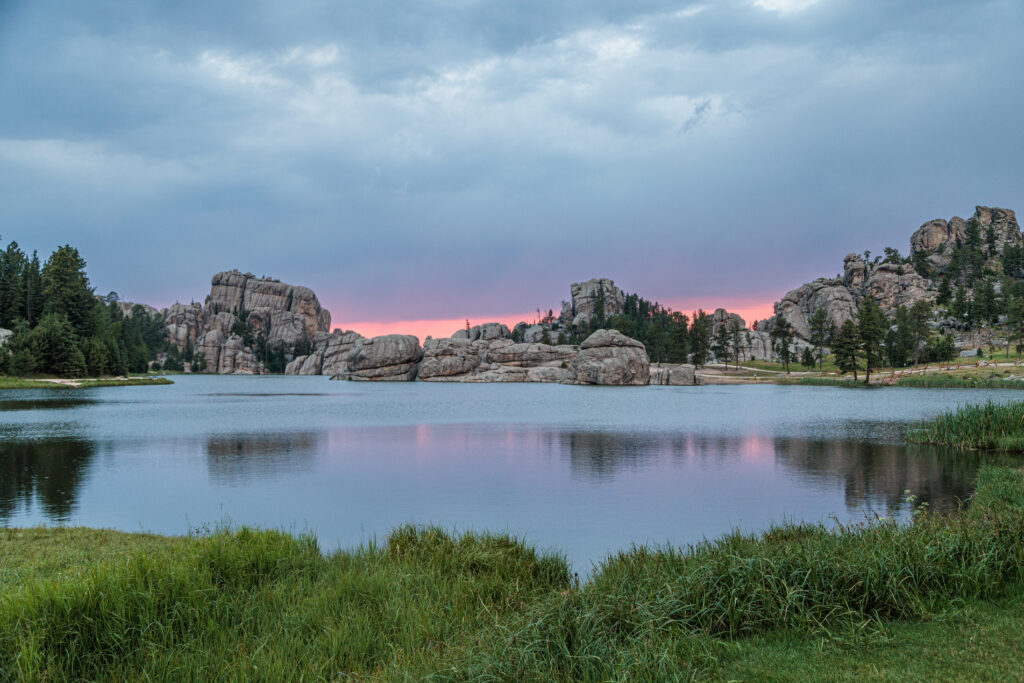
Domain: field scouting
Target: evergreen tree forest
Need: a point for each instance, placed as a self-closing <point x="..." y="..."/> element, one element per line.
<point x="61" y="328"/>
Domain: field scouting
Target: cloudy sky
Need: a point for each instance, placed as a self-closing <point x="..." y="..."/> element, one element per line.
<point x="452" y="159"/>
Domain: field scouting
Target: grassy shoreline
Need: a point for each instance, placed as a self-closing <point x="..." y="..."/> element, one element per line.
<point x="11" y="383"/>
<point x="989" y="426"/>
<point x="80" y="603"/>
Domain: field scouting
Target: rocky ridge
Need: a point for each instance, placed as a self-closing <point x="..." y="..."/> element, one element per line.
<point x="890" y="284"/>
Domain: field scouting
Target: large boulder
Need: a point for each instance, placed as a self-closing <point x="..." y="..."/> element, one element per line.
<point x="388" y="358"/>
<point x="5" y="336"/>
<point x="447" y="358"/>
<point x="608" y="357"/>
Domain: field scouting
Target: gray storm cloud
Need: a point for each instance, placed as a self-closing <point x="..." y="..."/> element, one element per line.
<point x="440" y="159"/>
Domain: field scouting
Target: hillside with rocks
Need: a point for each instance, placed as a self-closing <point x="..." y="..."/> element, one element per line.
<point x="959" y="252"/>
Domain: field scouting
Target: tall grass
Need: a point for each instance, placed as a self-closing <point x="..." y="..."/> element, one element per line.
<point x="430" y="605"/>
<point x="949" y="381"/>
<point x="659" y="613"/>
<point x="265" y="605"/>
<point x="992" y="426"/>
<point x="828" y="382"/>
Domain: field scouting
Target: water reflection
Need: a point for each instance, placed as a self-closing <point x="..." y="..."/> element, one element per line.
<point x="238" y="458"/>
<point x="872" y="474"/>
<point x="48" y="472"/>
<point x="43" y="404"/>
<point x="880" y="474"/>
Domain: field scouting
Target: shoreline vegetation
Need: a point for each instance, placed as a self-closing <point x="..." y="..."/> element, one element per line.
<point x="943" y="593"/>
<point x="7" y="383"/>
<point x="991" y="426"/>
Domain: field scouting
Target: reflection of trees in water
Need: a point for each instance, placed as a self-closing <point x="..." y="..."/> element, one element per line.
<point x="236" y="458"/>
<point x="44" y="404"/>
<point x="881" y="473"/>
<point x="49" y="471"/>
<point x="871" y="473"/>
<point x="602" y="455"/>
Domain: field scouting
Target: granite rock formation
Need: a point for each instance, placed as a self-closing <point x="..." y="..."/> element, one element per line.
<point x="485" y="332"/>
<point x="893" y="285"/>
<point x="608" y="357"/>
<point x="276" y="311"/>
<point x="588" y="296"/>
<point x="388" y="358"/>
<point x="673" y="375"/>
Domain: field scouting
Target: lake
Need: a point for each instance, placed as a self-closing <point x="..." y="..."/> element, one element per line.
<point x="583" y="470"/>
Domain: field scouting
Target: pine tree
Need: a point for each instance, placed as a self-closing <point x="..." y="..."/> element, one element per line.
<point x="871" y="327"/>
<point x="66" y="290"/>
<point x="945" y="293"/>
<point x="735" y="339"/>
<point x="807" y="358"/>
<point x="782" y="340"/>
<point x="990" y="240"/>
<point x="55" y="347"/>
<point x="819" y="328"/>
<point x="700" y="338"/>
<point x="720" y="345"/>
<point x="920" y="314"/>
<point x="33" y="290"/>
<point x="845" y="348"/>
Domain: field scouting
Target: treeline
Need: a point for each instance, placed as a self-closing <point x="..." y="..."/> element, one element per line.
<point x="59" y="325"/>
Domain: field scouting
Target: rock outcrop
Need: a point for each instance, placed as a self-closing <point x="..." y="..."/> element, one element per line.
<point x="485" y="332"/>
<point x="444" y="359"/>
<point x="280" y="313"/>
<point x="937" y="238"/>
<point x="389" y="358"/>
<point x="673" y="375"/>
<point x="608" y="357"/>
<point x="587" y="299"/>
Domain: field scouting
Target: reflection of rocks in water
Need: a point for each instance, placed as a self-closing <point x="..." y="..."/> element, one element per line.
<point x="238" y="457"/>
<point x="879" y="474"/>
<point x="47" y="471"/>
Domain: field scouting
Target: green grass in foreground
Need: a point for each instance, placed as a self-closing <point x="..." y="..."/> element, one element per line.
<point x="936" y="599"/>
<point x="991" y="426"/>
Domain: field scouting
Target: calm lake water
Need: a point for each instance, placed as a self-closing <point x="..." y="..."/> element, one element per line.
<point x="583" y="470"/>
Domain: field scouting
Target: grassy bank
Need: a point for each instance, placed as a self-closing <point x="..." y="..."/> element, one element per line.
<point x="963" y="381"/>
<point x="29" y="383"/>
<point x="80" y="603"/>
<point x="992" y="426"/>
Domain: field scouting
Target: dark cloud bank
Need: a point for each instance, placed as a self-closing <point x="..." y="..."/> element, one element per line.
<point x="450" y="158"/>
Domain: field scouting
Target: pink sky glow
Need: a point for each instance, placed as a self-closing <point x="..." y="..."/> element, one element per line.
<point x="749" y="309"/>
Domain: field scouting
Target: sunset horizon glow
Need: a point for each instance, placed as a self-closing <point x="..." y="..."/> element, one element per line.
<point x="749" y="309"/>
